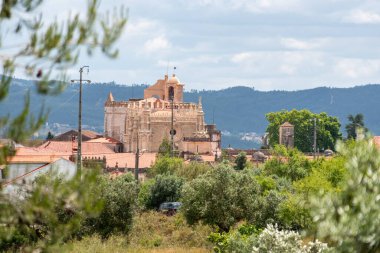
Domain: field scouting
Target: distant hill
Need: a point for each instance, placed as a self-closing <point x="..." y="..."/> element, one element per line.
<point x="239" y="111"/>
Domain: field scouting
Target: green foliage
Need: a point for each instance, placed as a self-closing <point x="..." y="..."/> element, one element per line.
<point x="272" y="240"/>
<point x="164" y="188"/>
<point x="290" y="164"/>
<point x="356" y="122"/>
<point x="153" y="229"/>
<point x="120" y="201"/>
<point x="51" y="213"/>
<point x="241" y="161"/>
<point x="239" y="240"/>
<point x="349" y="218"/>
<point x="49" y="50"/>
<point x="293" y="213"/>
<point x="165" y="148"/>
<point x="49" y="136"/>
<point x="327" y="128"/>
<point x="220" y="197"/>
<point x="192" y="170"/>
<point x="166" y="165"/>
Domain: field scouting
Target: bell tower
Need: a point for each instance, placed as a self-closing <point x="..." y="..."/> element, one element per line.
<point x="166" y="89"/>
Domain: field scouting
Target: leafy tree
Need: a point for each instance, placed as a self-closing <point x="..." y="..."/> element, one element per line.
<point x="349" y="218"/>
<point x="288" y="163"/>
<point x="50" y="213"/>
<point x="241" y="161"/>
<point x="120" y="201"/>
<point x="328" y="128"/>
<point x="192" y="170"/>
<point x="166" y="188"/>
<point x="49" y="50"/>
<point x="49" y="136"/>
<point x="355" y="122"/>
<point x="220" y="197"/>
<point x="165" y="148"/>
<point x="166" y="165"/>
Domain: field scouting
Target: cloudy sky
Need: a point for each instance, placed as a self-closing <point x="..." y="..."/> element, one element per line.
<point x="266" y="44"/>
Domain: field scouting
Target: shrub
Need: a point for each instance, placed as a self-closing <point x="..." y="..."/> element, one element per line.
<point x="241" y="161"/>
<point x="50" y="214"/>
<point x="164" y="188"/>
<point x="272" y="240"/>
<point x="349" y="218"/>
<point x="120" y="200"/>
<point x="288" y="163"/>
<point x="192" y="170"/>
<point x="239" y="240"/>
<point x="220" y="197"/>
<point x="165" y="165"/>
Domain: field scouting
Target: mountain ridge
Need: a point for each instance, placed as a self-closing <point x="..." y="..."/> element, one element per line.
<point x="238" y="111"/>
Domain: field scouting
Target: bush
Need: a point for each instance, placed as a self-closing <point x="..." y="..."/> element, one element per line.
<point x="164" y="188"/>
<point x="239" y="240"/>
<point x="220" y="197"/>
<point x="120" y="200"/>
<point x="349" y="218"/>
<point x="165" y="165"/>
<point x="152" y="229"/>
<point x="272" y="240"/>
<point x="288" y="163"/>
<point x="50" y="214"/>
<point x="241" y="161"/>
<point x="192" y="170"/>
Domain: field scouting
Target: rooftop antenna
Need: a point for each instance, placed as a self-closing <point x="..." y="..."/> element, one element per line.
<point x="167" y="69"/>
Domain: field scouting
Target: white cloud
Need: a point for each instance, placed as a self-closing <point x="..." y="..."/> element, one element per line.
<point x="357" y="68"/>
<point x="292" y="43"/>
<point x="257" y="6"/>
<point x="157" y="44"/>
<point x="362" y="17"/>
<point x="141" y="26"/>
<point x="242" y="57"/>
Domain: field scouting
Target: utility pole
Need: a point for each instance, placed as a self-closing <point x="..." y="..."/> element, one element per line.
<point x="315" y="138"/>
<point x="172" y="129"/>
<point x="137" y="157"/>
<point x="79" y="157"/>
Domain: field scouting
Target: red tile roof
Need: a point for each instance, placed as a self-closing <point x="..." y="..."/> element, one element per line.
<point x="107" y="140"/>
<point x="128" y="160"/>
<point x="88" y="148"/>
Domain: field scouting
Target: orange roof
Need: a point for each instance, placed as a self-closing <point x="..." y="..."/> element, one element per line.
<point x="88" y="148"/>
<point x="36" y="155"/>
<point x="107" y="140"/>
<point x="128" y="160"/>
<point x="90" y="134"/>
<point x="376" y="141"/>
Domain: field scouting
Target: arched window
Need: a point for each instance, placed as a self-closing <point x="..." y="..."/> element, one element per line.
<point x="171" y="93"/>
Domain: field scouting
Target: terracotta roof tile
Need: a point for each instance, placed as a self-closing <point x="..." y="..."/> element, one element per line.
<point x="87" y="147"/>
<point x="128" y="160"/>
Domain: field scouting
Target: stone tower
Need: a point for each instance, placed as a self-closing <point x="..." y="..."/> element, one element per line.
<point x="286" y="135"/>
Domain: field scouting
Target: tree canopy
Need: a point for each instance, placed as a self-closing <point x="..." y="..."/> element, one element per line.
<point x="328" y="128"/>
<point x="355" y="122"/>
<point x="46" y="50"/>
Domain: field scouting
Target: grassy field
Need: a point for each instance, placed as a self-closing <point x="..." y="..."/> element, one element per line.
<point x="152" y="232"/>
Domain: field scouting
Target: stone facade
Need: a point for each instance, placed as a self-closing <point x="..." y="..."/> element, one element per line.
<point x="286" y="135"/>
<point x="148" y="121"/>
